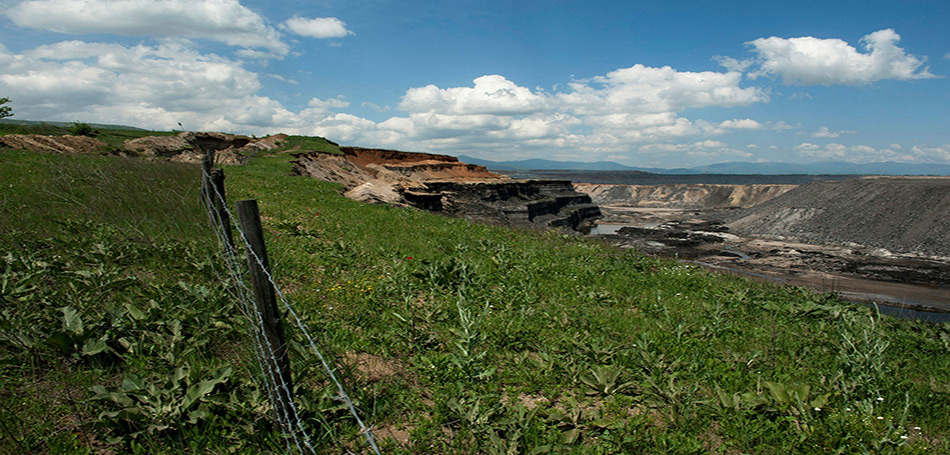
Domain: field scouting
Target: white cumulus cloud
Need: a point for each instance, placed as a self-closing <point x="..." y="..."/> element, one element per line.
<point x="809" y="60"/>
<point x="151" y="86"/>
<point x="643" y="89"/>
<point x="608" y="113"/>
<point x="635" y="111"/>
<point x="742" y="124"/>
<point x="733" y="64"/>
<point x="492" y="94"/>
<point x="867" y="154"/>
<point x="825" y="132"/>
<point x="318" y="27"/>
<point x="599" y="115"/>
<point x="225" y="21"/>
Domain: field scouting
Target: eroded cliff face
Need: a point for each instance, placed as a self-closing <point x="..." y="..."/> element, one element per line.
<point x="441" y="183"/>
<point x="682" y="196"/>
<point x="517" y="202"/>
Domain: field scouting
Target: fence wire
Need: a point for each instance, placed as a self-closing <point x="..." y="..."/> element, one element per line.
<point x="272" y="378"/>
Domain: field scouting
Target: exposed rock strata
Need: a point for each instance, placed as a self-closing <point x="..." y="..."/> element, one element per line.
<point x="442" y="184"/>
<point x="900" y="214"/>
<point x="681" y="196"/>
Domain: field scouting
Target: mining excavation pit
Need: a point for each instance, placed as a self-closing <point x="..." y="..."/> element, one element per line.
<point x="902" y="266"/>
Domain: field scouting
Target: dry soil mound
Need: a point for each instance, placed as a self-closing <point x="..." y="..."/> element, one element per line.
<point x="52" y="144"/>
<point x="900" y="214"/>
<point x="189" y="146"/>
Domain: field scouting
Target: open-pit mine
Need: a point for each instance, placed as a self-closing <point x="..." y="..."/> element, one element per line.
<point x="873" y="239"/>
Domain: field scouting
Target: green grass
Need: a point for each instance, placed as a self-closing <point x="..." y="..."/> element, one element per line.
<point x="38" y="128"/>
<point x="482" y="339"/>
<point x="142" y="198"/>
<point x="307" y="144"/>
<point x="112" y="137"/>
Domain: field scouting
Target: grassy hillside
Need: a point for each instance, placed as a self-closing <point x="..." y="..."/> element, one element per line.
<point x="117" y="332"/>
<point x="112" y="137"/>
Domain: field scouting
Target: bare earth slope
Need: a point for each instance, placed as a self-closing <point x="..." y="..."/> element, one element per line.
<point x="908" y="215"/>
<point x="681" y="196"/>
<point x="52" y="144"/>
<point x="187" y="146"/>
<point x="441" y="183"/>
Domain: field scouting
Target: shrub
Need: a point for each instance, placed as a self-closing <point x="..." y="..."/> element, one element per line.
<point x="82" y="129"/>
<point x="5" y="111"/>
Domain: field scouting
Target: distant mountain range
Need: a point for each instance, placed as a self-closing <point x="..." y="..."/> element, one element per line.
<point x="735" y="167"/>
<point x="540" y="164"/>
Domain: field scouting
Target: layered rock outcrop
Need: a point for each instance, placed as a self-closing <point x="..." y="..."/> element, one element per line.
<point x="441" y="183"/>
<point x="681" y="196"/>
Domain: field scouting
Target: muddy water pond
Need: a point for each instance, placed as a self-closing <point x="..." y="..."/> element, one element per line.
<point x="607" y="229"/>
<point x="909" y="313"/>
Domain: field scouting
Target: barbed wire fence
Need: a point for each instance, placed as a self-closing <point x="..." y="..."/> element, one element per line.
<point x="258" y="303"/>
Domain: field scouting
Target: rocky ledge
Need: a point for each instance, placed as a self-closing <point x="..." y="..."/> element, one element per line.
<point x="442" y="184"/>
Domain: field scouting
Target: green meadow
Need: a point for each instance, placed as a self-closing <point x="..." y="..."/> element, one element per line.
<point x="119" y="333"/>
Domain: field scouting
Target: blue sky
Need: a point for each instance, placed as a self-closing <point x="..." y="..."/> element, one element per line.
<point x="664" y="84"/>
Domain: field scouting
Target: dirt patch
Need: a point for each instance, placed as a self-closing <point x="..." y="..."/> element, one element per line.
<point x="371" y="368"/>
<point x="267" y="143"/>
<point x="528" y="401"/>
<point x="399" y="435"/>
<point x="53" y="144"/>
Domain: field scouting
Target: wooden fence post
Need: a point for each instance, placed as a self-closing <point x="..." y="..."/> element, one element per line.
<point x="220" y="205"/>
<point x="275" y="343"/>
<point x="206" y="189"/>
<point x="212" y="193"/>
